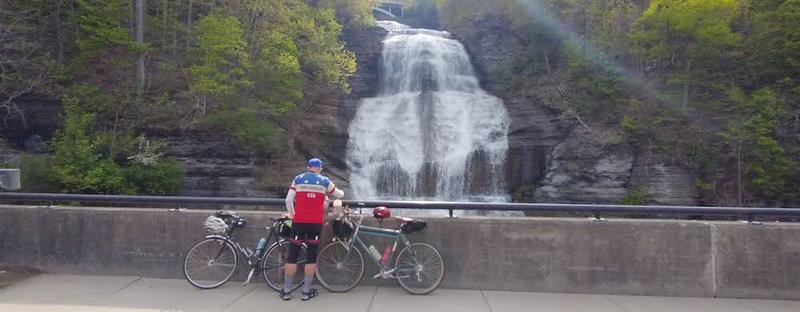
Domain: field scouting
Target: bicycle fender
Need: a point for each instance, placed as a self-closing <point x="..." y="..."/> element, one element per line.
<point x="218" y="236"/>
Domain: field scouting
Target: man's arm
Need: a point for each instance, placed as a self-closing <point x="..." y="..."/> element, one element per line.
<point x="334" y="191"/>
<point x="290" y="200"/>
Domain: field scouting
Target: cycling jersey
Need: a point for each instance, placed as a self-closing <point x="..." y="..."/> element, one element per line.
<point x="308" y="191"/>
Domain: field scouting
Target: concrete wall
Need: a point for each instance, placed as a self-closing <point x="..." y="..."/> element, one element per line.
<point x="647" y="257"/>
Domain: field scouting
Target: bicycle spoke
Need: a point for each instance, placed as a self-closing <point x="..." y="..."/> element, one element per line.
<point x="209" y="263"/>
<point x="419" y="269"/>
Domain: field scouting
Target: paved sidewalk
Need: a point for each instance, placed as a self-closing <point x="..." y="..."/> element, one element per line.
<point x="129" y="293"/>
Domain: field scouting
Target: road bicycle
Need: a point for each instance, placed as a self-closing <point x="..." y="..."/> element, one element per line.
<point x="214" y="260"/>
<point x="418" y="267"/>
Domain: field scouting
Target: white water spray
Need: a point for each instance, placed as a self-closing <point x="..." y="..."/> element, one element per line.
<point x="432" y="132"/>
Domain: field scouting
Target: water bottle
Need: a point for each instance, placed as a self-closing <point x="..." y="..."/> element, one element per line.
<point x="374" y="252"/>
<point x="262" y="243"/>
<point x="386" y="253"/>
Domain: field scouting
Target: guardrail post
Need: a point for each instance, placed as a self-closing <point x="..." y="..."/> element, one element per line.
<point x="749" y="220"/>
<point x="177" y="208"/>
<point x="450" y="212"/>
<point x="596" y="217"/>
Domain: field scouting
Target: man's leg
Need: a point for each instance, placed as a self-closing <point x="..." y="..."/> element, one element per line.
<point x="290" y="268"/>
<point x="311" y="265"/>
<point x="288" y="276"/>
<point x="310" y="269"/>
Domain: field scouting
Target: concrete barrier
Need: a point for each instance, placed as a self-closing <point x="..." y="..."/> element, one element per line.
<point x="625" y="256"/>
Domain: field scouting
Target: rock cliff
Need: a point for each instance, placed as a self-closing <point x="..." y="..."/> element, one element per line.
<point x="551" y="159"/>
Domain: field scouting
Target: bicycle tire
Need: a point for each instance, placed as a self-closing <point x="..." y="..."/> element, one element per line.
<point x="272" y="266"/>
<point x="424" y="266"/>
<point x="205" y="256"/>
<point x="339" y="270"/>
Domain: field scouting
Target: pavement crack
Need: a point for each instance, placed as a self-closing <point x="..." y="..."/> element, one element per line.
<point x="372" y="301"/>
<point x="128" y="285"/>
<point x="486" y="300"/>
<point x="615" y="303"/>
<point x="232" y="303"/>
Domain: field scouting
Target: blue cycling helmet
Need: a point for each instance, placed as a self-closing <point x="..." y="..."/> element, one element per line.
<point x="315" y="163"/>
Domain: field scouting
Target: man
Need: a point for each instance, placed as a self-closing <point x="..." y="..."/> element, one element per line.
<point x="305" y="203"/>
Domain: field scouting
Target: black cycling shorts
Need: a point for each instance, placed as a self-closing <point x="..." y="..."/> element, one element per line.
<point x="308" y="233"/>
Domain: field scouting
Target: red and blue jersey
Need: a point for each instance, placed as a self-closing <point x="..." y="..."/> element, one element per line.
<point x="311" y="189"/>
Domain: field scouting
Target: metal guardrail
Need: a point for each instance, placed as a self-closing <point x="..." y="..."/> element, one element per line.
<point x="593" y="209"/>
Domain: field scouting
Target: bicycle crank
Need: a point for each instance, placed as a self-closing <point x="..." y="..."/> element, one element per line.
<point x="249" y="276"/>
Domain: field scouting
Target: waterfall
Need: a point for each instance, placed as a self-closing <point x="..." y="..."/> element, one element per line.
<point x="431" y="132"/>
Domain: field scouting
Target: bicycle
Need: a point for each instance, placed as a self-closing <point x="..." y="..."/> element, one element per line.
<point x="214" y="260"/>
<point x="418" y="267"/>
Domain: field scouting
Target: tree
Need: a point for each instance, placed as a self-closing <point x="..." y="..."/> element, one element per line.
<point x="79" y="166"/>
<point x="222" y="60"/>
<point x="356" y="13"/>
<point x="140" y="66"/>
<point x="762" y="163"/>
<point x="684" y="38"/>
<point x="25" y="66"/>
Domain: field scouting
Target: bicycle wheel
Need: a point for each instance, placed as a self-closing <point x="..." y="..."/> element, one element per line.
<point x="273" y="263"/>
<point x="339" y="270"/>
<point x="419" y="269"/>
<point x="210" y="263"/>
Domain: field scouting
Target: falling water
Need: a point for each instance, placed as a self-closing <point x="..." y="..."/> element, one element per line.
<point x="431" y="132"/>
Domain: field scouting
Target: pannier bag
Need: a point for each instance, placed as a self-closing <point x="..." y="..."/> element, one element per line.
<point x="343" y="229"/>
<point x="412" y="226"/>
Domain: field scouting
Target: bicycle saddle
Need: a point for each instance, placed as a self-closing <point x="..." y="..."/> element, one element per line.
<point x="227" y="214"/>
<point x="230" y="217"/>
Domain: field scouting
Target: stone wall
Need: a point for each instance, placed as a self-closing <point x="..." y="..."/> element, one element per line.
<point x="619" y="256"/>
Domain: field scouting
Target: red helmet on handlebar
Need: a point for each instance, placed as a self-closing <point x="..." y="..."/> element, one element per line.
<point x="381" y="212"/>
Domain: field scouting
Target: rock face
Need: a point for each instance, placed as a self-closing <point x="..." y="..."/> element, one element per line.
<point x="551" y="160"/>
<point x="665" y="183"/>
<point x="583" y="169"/>
<point x="214" y="164"/>
<point x="41" y="118"/>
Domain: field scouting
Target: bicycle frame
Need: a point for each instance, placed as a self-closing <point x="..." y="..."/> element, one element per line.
<point x="245" y="250"/>
<point x="398" y="236"/>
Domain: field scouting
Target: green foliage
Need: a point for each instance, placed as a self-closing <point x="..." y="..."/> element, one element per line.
<point x="258" y="135"/>
<point x="689" y="27"/>
<point x="36" y="173"/>
<point x="277" y="76"/>
<point x="688" y="40"/>
<point x="162" y="178"/>
<point x="351" y="12"/>
<point x="81" y="164"/>
<point x="88" y="98"/>
<point x="767" y="165"/>
<point x="101" y="28"/>
<point x="321" y="53"/>
<point x="634" y="196"/>
<point x="78" y="165"/>
<point x="222" y="57"/>
<point x="597" y="89"/>
<point x="524" y="194"/>
<point x="631" y="132"/>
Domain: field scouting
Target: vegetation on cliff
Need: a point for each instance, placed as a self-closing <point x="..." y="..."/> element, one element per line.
<point x="710" y="84"/>
<point x="121" y="68"/>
